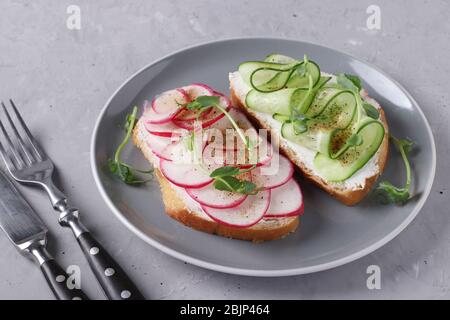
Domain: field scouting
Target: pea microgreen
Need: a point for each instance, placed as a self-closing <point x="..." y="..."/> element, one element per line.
<point x="225" y="180"/>
<point x="389" y="193"/>
<point x="122" y="170"/>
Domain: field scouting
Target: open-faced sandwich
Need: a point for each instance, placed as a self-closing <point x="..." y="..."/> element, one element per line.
<point x="217" y="173"/>
<point x="327" y="125"/>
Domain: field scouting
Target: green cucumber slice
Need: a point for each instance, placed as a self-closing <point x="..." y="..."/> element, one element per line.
<point x="269" y="76"/>
<point x="317" y="140"/>
<point x="274" y="102"/>
<point x="337" y="115"/>
<point x="279" y="58"/>
<point x="281" y="101"/>
<point x="265" y="71"/>
<point x="306" y="102"/>
<point x="338" y="112"/>
<point x="280" y="117"/>
<point x="322" y="97"/>
<point x="293" y="79"/>
<point x="354" y="158"/>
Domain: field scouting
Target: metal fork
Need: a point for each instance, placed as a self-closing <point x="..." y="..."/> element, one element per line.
<point x="28" y="164"/>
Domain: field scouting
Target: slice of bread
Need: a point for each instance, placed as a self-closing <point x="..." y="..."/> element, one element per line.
<point x="342" y="192"/>
<point x="179" y="208"/>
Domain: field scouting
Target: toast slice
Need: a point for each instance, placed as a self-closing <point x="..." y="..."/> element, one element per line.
<point x="183" y="209"/>
<point x="348" y="194"/>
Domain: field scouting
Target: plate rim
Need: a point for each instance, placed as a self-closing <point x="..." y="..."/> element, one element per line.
<point x="253" y="272"/>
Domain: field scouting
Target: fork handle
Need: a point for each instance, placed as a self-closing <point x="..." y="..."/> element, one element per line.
<point x="114" y="281"/>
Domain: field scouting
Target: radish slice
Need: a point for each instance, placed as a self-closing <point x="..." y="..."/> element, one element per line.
<point x="192" y="92"/>
<point x="168" y="129"/>
<point x="286" y="201"/>
<point x="214" y="116"/>
<point x="211" y="197"/>
<point x="191" y="115"/>
<point x="166" y="106"/>
<point x="179" y="95"/>
<point x="177" y="150"/>
<point x="184" y="175"/>
<point x="272" y="174"/>
<point x="248" y="213"/>
<point x="205" y="88"/>
<point x="158" y="145"/>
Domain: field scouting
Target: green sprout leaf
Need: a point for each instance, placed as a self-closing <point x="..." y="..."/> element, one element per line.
<point x="203" y="102"/>
<point x="390" y="194"/>
<point x="349" y="81"/>
<point x="123" y="171"/>
<point x="371" y="111"/>
<point x="300" y="126"/>
<point x="224" y="171"/>
<point x="299" y="121"/>
<point x="225" y="180"/>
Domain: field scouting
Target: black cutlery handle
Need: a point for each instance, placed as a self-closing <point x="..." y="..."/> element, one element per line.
<point x="56" y="278"/>
<point x="112" y="278"/>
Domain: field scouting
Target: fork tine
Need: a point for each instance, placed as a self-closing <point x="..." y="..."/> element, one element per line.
<point x="6" y="158"/>
<point x="34" y="144"/>
<point x="23" y="147"/>
<point x="17" y="157"/>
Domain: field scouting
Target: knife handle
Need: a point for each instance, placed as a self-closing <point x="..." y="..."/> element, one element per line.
<point x="55" y="275"/>
<point x="56" y="279"/>
<point x="112" y="278"/>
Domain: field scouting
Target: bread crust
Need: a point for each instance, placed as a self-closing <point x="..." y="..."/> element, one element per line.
<point x="177" y="210"/>
<point x="347" y="197"/>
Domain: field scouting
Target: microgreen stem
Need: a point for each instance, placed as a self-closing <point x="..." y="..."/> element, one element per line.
<point x="236" y="127"/>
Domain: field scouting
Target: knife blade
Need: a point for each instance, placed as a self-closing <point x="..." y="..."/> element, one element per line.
<point x="17" y="218"/>
<point x="29" y="234"/>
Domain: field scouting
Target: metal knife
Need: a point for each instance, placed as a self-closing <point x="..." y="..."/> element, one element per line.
<point x="29" y="234"/>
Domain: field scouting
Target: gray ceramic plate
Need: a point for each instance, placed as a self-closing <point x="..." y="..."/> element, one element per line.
<point x="330" y="234"/>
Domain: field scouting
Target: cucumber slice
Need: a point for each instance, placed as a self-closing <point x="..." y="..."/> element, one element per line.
<point x="274" y="102"/>
<point x="280" y="117"/>
<point x="294" y="80"/>
<point x="279" y="58"/>
<point x="322" y="97"/>
<point x="336" y="116"/>
<point x="269" y="76"/>
<point x="306" y="102"/>
<point x="354" y="158"/>
<point x="281" y="101"/>
<point x="265" y="71"/>
<point x="338" y="112"/>
<point x="317" y="140"/>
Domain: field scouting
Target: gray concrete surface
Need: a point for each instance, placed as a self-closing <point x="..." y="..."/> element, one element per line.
<point x="61" y="78"/>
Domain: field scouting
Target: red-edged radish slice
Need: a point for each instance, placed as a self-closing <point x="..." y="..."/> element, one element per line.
<point x="200" y="89"/>
<point x="178" y="151"/>
<point x="248" y="213"/>
<point x="191" y="115"/>
<point x="286" y="201"/>
<point x="211" y="197"/>
<point x="184" y="175"/>
<point x="168" y="129"/>
<point x="158" y="145"/>
<point x="213" y="116"/>
<point x="193" y="91"/>
<point x="166" y="106"/>
<point x="273" y="174"/>
<point x="163" y="103"/>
